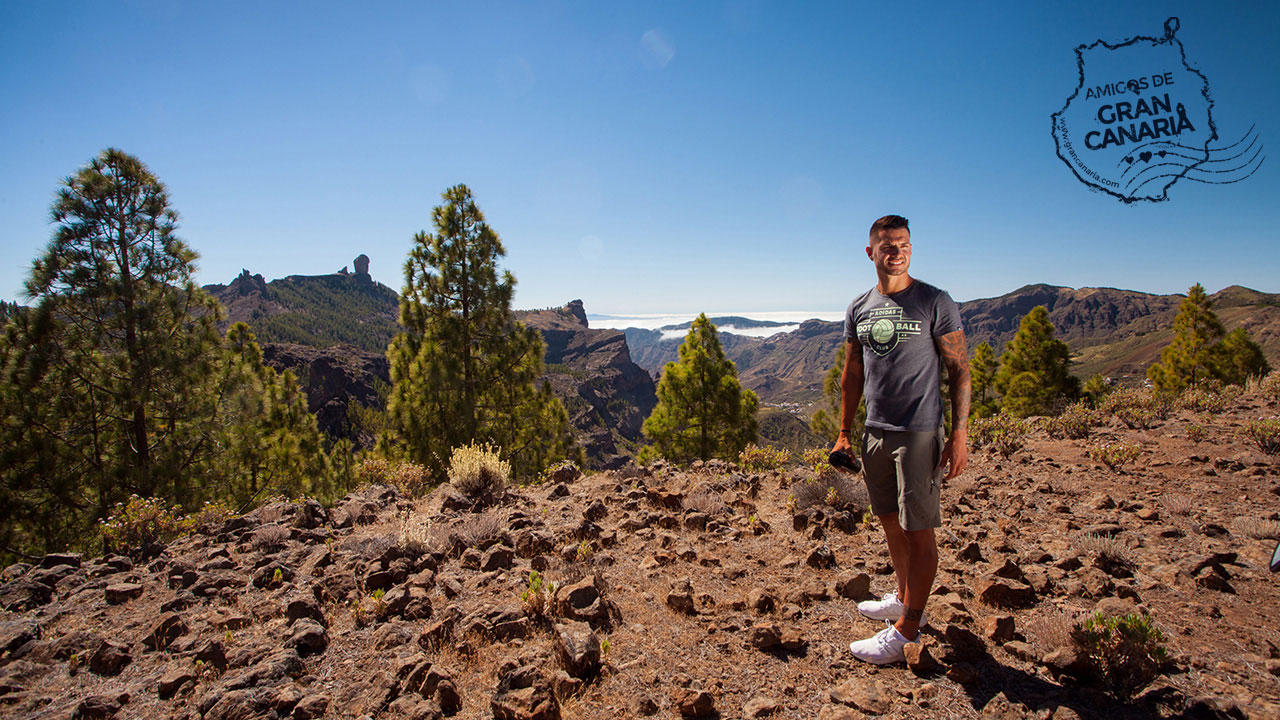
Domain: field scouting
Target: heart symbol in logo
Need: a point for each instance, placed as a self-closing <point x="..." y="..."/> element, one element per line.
<point x="1129" y="159"/>
<point x="1162" y="153"/>
<point x="1145" y="155"/>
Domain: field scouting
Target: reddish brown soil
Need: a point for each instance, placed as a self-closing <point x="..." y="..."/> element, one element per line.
<point x="1184" y="515"/>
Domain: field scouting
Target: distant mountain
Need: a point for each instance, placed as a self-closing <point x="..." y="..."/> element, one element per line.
<point x="1110" y="331"/>
<point x="317" y="310"/>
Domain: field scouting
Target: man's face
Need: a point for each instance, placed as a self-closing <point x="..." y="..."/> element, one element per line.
<point x="890" y="250"/>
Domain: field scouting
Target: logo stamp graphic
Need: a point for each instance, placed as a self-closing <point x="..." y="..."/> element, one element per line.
<point x="1141" y="120"/>
<point x="884" y="327"/>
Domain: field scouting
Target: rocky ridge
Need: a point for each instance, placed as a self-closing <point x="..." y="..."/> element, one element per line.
<point x="703" y="592"/>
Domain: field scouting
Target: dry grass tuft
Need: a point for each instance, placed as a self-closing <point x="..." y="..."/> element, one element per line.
<point x="1256" y="528"/>
<point x="1052" y="630"/>
<point x="270" y="537"/>
<point x="480" y="530"/>
<point x="1108" y="549"/>
<point x="416" y="536"/>
<point x="705" y="501"/>
<point x="1180" y="504"/>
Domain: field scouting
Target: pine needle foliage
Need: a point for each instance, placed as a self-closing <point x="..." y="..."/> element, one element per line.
<point x="271" y="442"/>
<point x="1034" y="375"/>
<point x="463" y="370"/>
<point x="1202" y="350"/>
<point x="702" y="411"/>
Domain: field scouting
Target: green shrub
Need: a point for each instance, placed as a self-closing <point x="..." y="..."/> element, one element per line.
<point x="761" y="459"/>
<point x="373" y="471"/>
<point x="477" y="471"/>
<point x="1137" y="409"/>
<point x="411" y="479"/>
<point x="538" y="598"/>
<point x="1074" y="423"/>
<point x="140" y="521"/>
<point x="1115" y="455"/>
<point x="1265" y="434"/>
<point x="825" y="472"/>
<point x="1196" y="433"/>
<point x="1208" y="396"/>
<point x="815" y="456"/>
<point x="1095" y="389"/>
<point x="210" y="516"/>
<point x="1270" y="385"/>
<point x="1126" y="652"/>
<point x="1003" y="433"/>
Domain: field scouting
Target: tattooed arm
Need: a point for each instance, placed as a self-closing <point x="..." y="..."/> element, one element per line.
<point x="955" y="356"/>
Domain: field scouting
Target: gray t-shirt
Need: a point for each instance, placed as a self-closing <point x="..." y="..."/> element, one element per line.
<point x="900" y="360"/>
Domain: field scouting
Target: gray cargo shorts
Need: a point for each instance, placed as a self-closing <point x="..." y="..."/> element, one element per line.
<point x="902" y="475"/>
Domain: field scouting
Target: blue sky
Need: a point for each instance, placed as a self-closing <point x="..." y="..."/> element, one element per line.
<point x="718" y="156"/>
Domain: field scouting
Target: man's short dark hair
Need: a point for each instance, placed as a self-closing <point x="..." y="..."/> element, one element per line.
<point x="889" y="222"/>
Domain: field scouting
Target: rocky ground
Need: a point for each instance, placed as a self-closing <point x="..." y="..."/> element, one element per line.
<point x="691" y="592"/>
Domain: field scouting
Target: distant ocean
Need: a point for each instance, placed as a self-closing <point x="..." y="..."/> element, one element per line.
<point x="792" y="321"/>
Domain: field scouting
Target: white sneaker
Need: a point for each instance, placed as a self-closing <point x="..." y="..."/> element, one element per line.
<point x="883" y="648"/>
<point x="887" y="608"/>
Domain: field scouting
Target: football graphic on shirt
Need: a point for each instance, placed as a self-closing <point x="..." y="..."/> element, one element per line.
<point x="884" y="327"/>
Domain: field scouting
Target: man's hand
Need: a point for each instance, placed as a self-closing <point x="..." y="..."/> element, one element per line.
<point x="955" y="455"/>
<point x="843" y="443"/>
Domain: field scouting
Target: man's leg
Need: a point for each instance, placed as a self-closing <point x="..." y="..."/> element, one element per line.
<point x="922" y="567"/>
<point x="899" y="551"/>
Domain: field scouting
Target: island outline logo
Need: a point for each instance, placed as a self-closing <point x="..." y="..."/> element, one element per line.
<point x="1141" y="119"/>
<point x="884" y="327"/>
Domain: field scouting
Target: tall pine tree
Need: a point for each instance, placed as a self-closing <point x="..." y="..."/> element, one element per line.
<point x="702" y="411"/>
<point x="1034" y="377"/>
<point x="1199" y="351"/>
<point x="463" y="369"/>
<point x="1187" y="360"/>
<point x="107" y="385"/>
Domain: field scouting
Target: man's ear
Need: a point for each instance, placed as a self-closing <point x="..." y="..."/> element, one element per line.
<point x="869" y="254"/>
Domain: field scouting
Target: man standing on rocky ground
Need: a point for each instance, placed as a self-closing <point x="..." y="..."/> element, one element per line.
<point x="899" y="333"/>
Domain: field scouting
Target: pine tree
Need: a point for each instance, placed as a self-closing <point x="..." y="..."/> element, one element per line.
<point x="1188" y="360"/>
<point x="702" y="411"/>
<point x="107" y="382"/>
<point x="1236" y="358"/>
<point x="982" y="369"/>
<point x="463" y="369"/>
<point x="826" y="421"/>
<point x="1033" y="375"/>
<point x="272" y="443"/>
